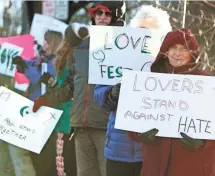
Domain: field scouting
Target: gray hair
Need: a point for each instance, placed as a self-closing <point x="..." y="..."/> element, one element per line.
<point x="159" y="14"/>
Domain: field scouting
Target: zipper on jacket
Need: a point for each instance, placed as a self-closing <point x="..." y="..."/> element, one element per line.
<point x="169" y="157"/>
<point x="133" y="152"/>
<point x="86" y="105"/>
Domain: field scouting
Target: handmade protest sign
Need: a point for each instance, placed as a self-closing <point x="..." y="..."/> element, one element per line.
<point x="20" y="126"/>
<point x="44" y="23"/>
<point x="10" y="47"/>
<point x="114" y="49"/>
<point x="169" y="102"/>
<point x="27" y="43"/>
<point x="7" y="53"/>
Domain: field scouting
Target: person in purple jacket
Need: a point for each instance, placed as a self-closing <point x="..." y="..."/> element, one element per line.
<point x="33" y="71"/>
<point x="33" y="68"/>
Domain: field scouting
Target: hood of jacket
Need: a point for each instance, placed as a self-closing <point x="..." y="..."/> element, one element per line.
<point x="180" y="36"/>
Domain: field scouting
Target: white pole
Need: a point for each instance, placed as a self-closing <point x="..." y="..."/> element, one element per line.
<point x="43" y="86"/>
<point x="184" y="15"/>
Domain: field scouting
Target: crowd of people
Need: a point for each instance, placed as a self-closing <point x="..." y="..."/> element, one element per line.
<point x="89" y="111"/>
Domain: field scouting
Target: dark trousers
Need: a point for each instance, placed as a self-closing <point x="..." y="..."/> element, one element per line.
<point x="116" y="168"/>
<point x="45" y="162"/>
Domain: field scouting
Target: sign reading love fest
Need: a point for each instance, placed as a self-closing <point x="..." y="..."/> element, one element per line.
<point x="20" y="126"/>
<point x="114" y="49"/>
<point x="169" y="102"/>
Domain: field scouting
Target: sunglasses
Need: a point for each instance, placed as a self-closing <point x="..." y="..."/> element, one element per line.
<point x="100" y="13"/>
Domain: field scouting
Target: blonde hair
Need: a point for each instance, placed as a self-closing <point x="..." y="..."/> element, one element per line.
<point x="54" y="39"/>
<point x="63" y="56"/>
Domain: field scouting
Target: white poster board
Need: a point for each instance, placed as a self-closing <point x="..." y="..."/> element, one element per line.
<point x="62" y="9"/>
<point x="42" y="23"/>
<point x="20" y="126"/>
<point x="114" y="49"/>
<point x="169" y="102"/>
<point x="7" y="52"/>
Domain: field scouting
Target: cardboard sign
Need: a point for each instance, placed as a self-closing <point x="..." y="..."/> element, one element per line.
<point x="169" y="102"/>
<point x="21" y="45"/>
<point x="114" y="49"/>
<point x="43" y="23"/>
<point x="7" y="53"/>
<point x="20" y="126"/>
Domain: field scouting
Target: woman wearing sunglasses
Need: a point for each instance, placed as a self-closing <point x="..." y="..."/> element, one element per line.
<point x="102" y="16"/>
<point x="106" y="13"/>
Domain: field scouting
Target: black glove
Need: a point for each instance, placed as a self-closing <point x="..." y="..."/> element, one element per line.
<point x="48" y="79"/>
<point x="148" y="137"/>
<point x="20" y="63"/>
<point x="191" y="144"/>
<point x="114" y="94"/>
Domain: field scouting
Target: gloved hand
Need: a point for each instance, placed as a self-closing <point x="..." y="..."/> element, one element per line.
<point x="191" y="144"/>
<point x="148" y="137"/>
<point x="114" y="94"/>
<point x="75" y="33"/>
<point x="48" y="79"/>
<point x="41" y="101"/>
<point x="20" y="63"/>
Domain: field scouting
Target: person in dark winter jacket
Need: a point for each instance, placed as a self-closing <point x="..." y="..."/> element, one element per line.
<point x="88" y="120"/>
<point x="124" y="156"/>
<point x="179" y="54"/>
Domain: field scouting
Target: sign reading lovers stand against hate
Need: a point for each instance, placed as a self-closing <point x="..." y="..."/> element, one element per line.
<point x="169" y="102"/>
<point x="114" y="49"/>
<point x="20" y="126"/>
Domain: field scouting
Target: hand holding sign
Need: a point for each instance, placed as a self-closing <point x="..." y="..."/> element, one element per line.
<point x="148" y="137"/>
<point x="41" y="101"/>
<point x="7" y="53"/>
<point x="48" y="80"/>
<point x="191" y="144"/>
<point x="45" y="78"/>
<point x="114" y="94"/>
<point x="20" y="63"/>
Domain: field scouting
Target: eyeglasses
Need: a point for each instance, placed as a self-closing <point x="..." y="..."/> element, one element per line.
<point x="100" y="13"/>
<point x="182" y="50"/>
